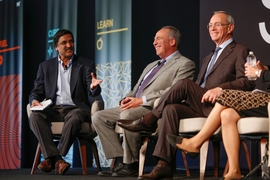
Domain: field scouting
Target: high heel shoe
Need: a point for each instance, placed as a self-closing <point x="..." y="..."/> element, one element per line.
<point x="173" y="140"/>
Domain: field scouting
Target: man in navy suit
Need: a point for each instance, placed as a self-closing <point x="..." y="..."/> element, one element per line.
<point x="67" y="80"/>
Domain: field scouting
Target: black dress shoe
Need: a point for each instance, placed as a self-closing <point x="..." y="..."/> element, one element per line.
<point x="136" y="125"/>
<point x="111" y="171"/>
<point x="159" y="172"/>
<point x="173" y="140"/>
<point x="46" y="166"/>
<point x="127" y="170"/>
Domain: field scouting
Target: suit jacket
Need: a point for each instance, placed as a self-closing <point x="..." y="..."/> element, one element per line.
<point x="45" y="85"/>
<point x="228" y="72"/>
<point x="178" y="67"/>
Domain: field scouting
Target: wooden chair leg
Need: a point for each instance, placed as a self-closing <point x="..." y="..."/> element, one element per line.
<point x="95" y="152"/>
<point x="246" y="154"/>
<point x="185" y="163"/>
<point x="216" y="149"/>
<point x="36" y="159"/>
<point x="82" y="146"/>
<point x="203" y="158"/>
<point x="142" y="155"/>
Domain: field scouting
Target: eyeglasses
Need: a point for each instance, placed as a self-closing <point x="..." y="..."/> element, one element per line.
<point x="217" y="24"/>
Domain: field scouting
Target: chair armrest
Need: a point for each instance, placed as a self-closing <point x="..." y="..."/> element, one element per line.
<point x="28" y="110"/>
<point x="156" y="102"/>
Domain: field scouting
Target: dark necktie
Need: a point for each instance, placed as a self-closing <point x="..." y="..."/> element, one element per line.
<point x="210" y="66"/>
<point x="149" y="77"/>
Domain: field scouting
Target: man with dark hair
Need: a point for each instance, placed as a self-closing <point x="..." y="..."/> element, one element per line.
<point x="67" y="80"/>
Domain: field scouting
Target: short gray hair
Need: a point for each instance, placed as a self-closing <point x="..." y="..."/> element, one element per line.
<point x="174" y="33"/>
<point x="228" y="15"/>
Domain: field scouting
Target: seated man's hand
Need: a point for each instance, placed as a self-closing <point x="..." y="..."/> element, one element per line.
<point x="211" y="95"/>
<point x="130" y="102"/>
<point x="95" y="81"/>
<point x="35" y="103"/>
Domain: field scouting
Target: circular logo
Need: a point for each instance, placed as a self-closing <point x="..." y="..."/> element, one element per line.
<point x="99" y="43"/>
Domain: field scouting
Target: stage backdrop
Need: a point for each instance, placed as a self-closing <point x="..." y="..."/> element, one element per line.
<point x="10" y="83"/>
<point x="113" y="53"/>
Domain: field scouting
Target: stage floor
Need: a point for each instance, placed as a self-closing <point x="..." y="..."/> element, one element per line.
<point x="76" y="173"/>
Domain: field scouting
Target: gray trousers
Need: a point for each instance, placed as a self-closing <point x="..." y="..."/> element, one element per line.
<point x="104" y="122"/>
<point x="40" y="124"/>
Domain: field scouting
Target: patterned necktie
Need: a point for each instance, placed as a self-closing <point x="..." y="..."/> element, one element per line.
<point x="210" y="66"/>
<point x="149" y="77"/>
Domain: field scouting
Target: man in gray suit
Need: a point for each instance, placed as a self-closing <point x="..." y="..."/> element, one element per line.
<point x="189" y="99"/>
<point x="156" y="79"/>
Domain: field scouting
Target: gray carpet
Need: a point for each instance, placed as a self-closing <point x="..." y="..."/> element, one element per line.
<point x="76" y="173"/>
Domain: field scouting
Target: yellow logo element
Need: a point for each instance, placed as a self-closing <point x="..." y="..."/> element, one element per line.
<point x="99" y="43"/>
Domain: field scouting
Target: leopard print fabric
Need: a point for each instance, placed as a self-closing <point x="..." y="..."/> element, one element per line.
<point x="243" y="100"/>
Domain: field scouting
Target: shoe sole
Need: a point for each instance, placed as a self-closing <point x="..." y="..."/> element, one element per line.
<point x="45" y="170"/>
<point x="130" y="175"/>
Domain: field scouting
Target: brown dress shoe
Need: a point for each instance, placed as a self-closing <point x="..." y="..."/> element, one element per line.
<point x="61" y="166"/>
<point x="136" y="125"/>
<point x="159" y="172"/>
<point x="46" y="166"/>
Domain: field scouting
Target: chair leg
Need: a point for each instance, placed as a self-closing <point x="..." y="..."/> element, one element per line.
<point x="95" y="152"/>
<point x="216" y="149"/>
<point x="203" y="158"/>
<point x="185" y="163"/>
<point x="263" y="150"/>
<point x="82" y="146"/>
<point x="246" y="154"/>
<point x="142" y="154"/>
<point x="36" y="159"/>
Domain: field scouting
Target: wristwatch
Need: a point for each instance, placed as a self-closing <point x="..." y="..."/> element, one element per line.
<point x="256" y="73"/>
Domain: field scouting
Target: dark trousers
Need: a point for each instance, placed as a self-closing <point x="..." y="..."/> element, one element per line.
<point x="40" y="124"/>
<point x="183" y="100"/>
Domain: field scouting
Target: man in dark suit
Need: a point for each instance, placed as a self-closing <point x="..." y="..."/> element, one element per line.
<point x="67" y="80"/>
<point x="222" y="69"/>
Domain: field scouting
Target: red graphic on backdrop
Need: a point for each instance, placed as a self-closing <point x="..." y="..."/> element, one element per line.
<point x="1" y="59"/>
<point x="6" y="50"/>
<point x="10" y="124"/>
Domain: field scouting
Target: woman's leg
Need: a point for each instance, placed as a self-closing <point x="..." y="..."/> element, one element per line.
<point x="231" y="141"/>
<point x="212" y="123"/>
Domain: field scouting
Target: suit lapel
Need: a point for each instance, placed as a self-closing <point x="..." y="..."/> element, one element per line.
<point x="165" y="67"/>
<point x="74" y="73"/>
<point x="53" y="71"/>
<point x="228" y="49"/>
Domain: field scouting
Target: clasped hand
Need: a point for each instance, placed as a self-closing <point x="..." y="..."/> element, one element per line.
<point x="130" y="102"/>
